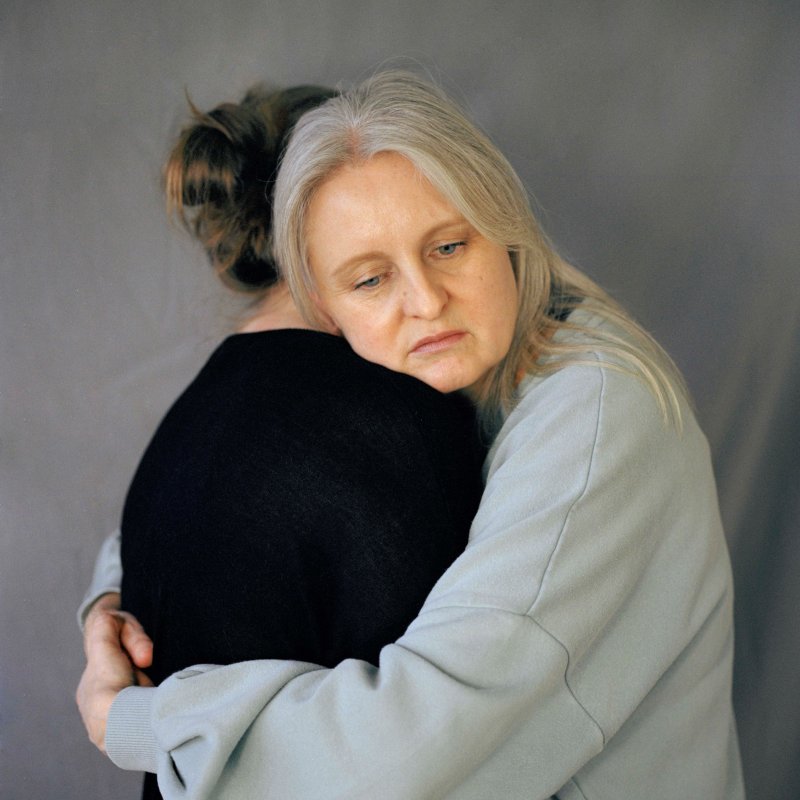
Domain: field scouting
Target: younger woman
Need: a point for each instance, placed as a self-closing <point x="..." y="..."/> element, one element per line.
<point x="296" y="501"/>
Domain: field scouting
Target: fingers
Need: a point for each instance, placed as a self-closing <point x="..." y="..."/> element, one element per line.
<point x="110" y="601"/>
<point x="101" y="630"/>
<point x="135" y="641"/>
<point x="142" y="679"/>
<point x="110" y="629"/>
<point x="117" y="648"/>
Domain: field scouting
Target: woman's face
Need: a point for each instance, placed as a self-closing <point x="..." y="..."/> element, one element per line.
<point x="406" y="279"/>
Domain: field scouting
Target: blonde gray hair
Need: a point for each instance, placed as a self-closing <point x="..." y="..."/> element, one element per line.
<point x="401" y="113"/>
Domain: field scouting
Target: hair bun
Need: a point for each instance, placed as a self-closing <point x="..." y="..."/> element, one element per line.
<point x="220" y="176"/>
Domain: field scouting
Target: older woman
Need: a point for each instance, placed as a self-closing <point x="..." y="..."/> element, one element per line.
<point x="582" y="644"/>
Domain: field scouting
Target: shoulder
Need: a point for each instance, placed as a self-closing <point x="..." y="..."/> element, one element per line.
<point x="291" y="354"/>
<point x="587" y="464"/>
<point x="305" y="366"/>
<point x="593" y="503"/>
<point x="314" y="382"/>
<point x="598" y="433"/>
<point x="564" y="417"/>
<point x="595" y="407"/>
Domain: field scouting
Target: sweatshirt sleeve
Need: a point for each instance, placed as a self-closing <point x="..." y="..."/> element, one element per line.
<point x="107" y="576"/>
<point x="590" y="567"/>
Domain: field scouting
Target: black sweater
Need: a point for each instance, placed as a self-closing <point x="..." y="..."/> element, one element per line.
<point x="296" y="502"/>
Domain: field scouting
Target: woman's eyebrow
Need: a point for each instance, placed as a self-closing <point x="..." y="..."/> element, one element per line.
<point x="455" y="222"/>
<point x="340" y="270"/>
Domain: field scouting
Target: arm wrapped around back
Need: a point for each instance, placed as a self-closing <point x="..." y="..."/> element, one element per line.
<point x="581" y="644"/>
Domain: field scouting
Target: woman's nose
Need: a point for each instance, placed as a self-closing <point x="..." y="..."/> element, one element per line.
<point x="424" y="295"/>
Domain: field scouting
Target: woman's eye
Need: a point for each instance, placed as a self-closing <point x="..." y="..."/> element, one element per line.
<point x="369" y="283"/>
<point x="449" y="249"/>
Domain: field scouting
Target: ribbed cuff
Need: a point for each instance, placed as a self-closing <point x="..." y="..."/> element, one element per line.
<point x="130" y="740"/>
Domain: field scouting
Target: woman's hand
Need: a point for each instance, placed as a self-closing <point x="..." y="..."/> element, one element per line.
<point x="117" y="649"/>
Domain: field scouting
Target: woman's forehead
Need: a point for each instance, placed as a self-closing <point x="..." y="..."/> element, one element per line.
<point x="384" y="191"/>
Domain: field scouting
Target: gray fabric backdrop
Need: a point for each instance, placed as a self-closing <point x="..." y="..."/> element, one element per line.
<point x="659" y="139"/>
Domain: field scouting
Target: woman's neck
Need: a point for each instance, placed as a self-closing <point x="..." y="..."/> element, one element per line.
<point x="275" y="311"/>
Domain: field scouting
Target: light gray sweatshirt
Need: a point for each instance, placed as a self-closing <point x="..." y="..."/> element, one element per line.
<point x="581" y="645"/>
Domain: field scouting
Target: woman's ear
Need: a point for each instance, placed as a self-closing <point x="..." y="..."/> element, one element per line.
<point x="325" y="319"/>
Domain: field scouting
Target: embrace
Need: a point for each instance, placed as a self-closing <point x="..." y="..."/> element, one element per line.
<point x="437" y="521"/>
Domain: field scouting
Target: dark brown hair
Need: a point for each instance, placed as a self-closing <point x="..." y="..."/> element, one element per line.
<point x="220" y="174"/>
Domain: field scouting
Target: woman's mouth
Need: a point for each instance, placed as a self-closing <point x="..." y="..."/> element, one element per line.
<point x="437" y="343"/>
